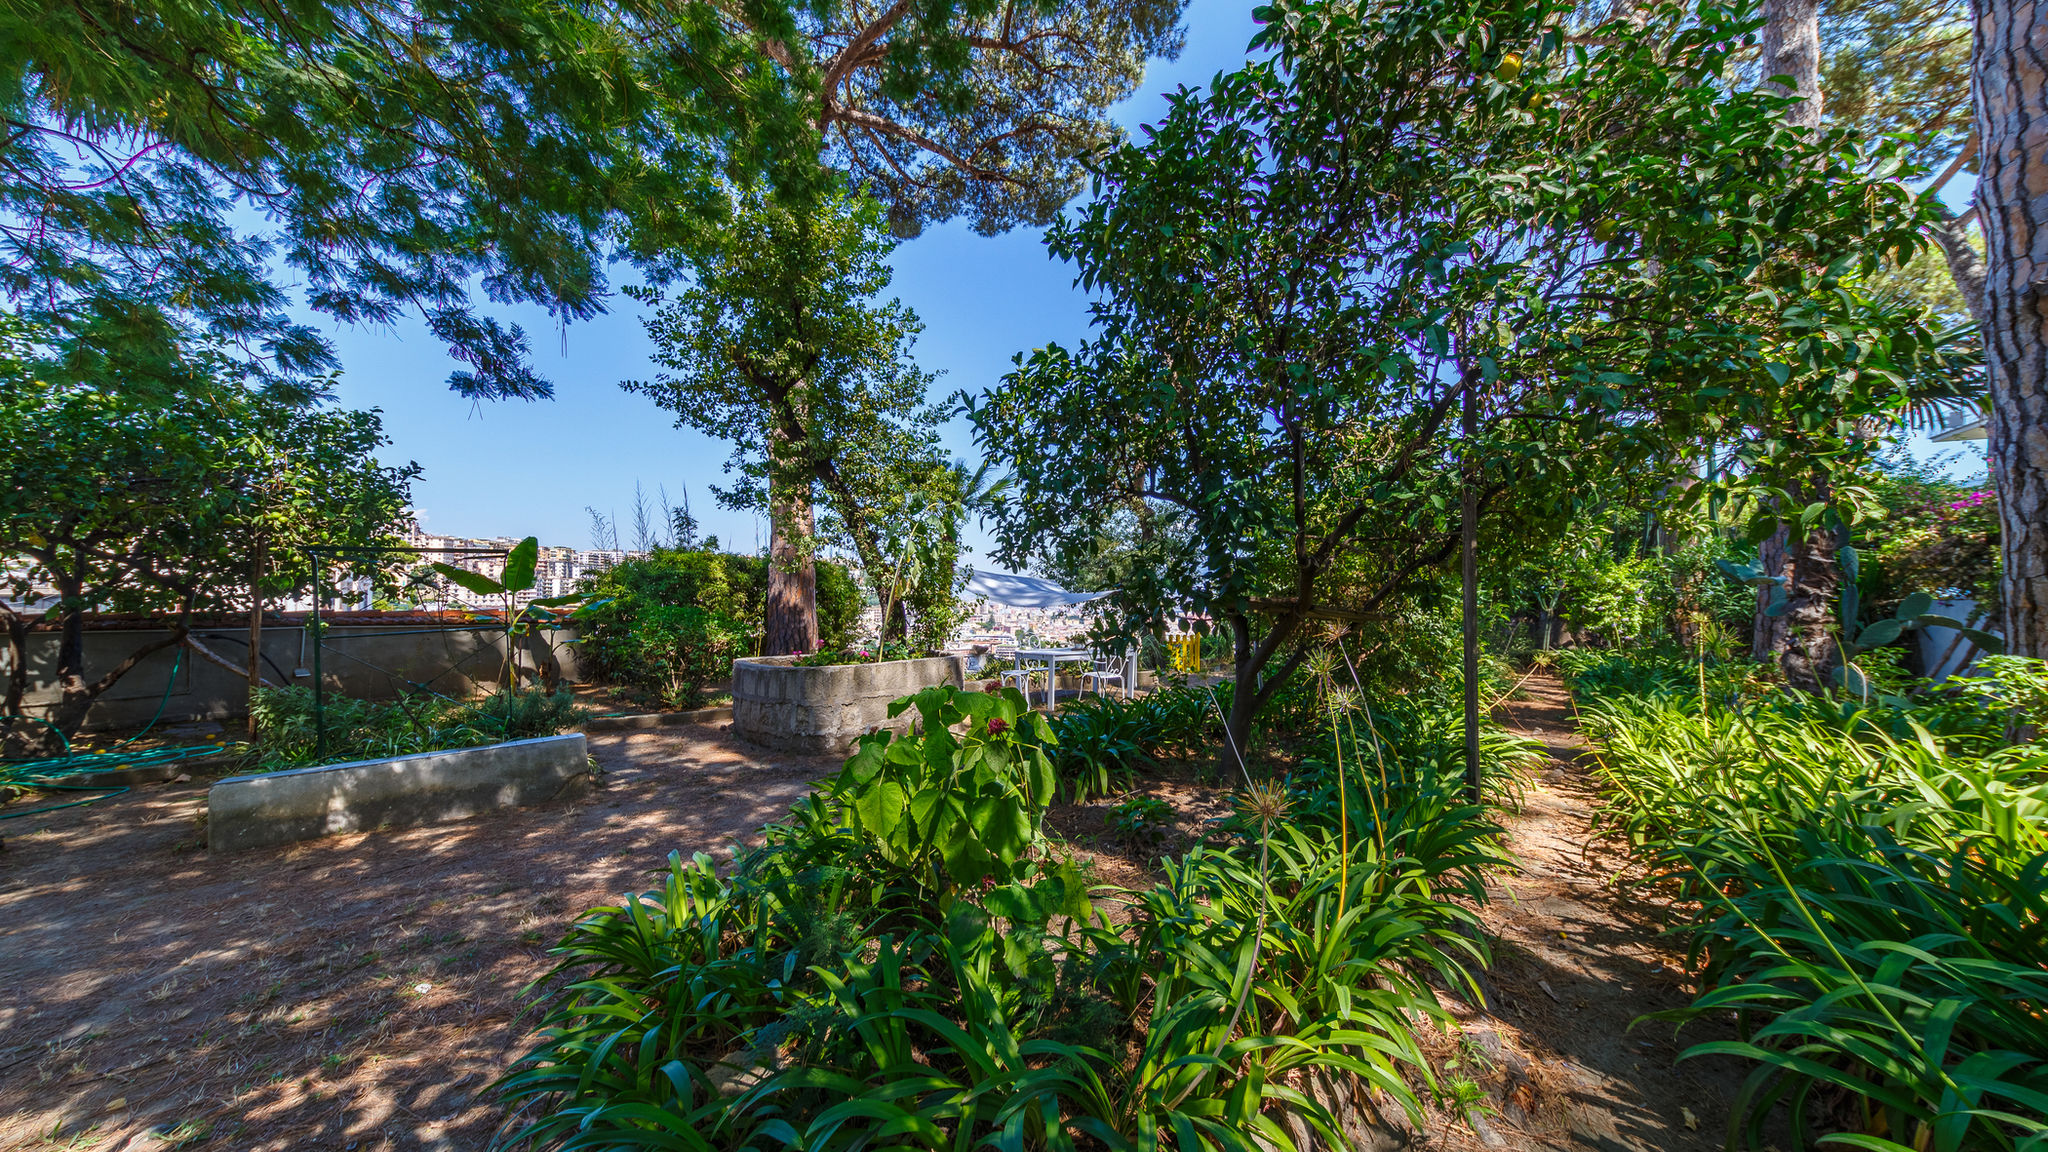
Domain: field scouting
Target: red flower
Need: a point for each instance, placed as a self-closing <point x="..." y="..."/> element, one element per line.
<point x="996" y="725"/>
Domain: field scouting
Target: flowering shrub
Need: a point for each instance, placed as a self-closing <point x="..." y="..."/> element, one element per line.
<point x="1945" y="543"/>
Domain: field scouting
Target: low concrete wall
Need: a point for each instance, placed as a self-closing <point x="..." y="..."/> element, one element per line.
<point x="367" y="662"/>
<point x="825" y="710"/>
<point x="304" y="803"/>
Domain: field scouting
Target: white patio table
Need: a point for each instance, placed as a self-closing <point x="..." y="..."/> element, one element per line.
<point x="1050" y="659"/>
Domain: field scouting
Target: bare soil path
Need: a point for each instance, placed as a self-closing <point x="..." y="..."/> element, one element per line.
<point x="355" y="992"/>
<point x="1578" y="958"/>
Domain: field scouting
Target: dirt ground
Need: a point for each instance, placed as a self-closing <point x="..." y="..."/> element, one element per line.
<point x="359" y="992"/>
<point x="354" y="992"/>
<point x="1578" y="960"/>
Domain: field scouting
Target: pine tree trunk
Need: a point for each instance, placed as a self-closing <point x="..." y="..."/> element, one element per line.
<point x="1791" y="48"/>
<point x="791" y="617"/>
<point x="2011" y="92"/>
<point x="1965" y="266"/>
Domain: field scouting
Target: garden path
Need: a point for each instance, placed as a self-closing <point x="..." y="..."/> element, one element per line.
<point x="1578" y="959"/>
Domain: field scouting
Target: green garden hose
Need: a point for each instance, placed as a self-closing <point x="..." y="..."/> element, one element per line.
<point x="50" y="773"/>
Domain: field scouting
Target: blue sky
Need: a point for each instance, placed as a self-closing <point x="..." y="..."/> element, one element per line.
<point x="512" y="468"/>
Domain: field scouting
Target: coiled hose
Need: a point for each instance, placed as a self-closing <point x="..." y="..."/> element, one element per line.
<point x="73" y="771"/>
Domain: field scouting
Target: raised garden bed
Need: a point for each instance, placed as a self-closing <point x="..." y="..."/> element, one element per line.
<point x="303" y="803"/>
<point x="824" y="709"/>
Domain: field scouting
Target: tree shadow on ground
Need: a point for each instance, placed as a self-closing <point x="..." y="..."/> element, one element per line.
<point x="358" y="991"/>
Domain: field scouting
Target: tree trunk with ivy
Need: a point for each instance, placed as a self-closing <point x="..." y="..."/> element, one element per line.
<point x="2011" y="84"/>
<point x="1815" y="576"/>
<point x="790" y="620"/>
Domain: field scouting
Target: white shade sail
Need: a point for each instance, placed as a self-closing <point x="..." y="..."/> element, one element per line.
<point x="1024" y="591"/>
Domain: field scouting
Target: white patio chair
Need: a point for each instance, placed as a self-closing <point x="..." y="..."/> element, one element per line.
<point x="1108" y="670"/>
<point x="1021" y="677"/>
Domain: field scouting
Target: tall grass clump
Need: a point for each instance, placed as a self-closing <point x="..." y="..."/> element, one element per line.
<point x="1873" y="893"/>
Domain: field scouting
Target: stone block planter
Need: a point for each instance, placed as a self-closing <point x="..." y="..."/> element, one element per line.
<point x="824" y="710"/>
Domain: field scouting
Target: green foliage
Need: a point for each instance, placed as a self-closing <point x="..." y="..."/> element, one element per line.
<point x="673" y="621"/>
<point x="840" y="605"/>
<point x="1536" y="239"/>
<point x="368" y="730"/>
<point x="1856" y="637"/>
<point x="1873" y="906"/>
<point x="949" y="810"/>
<point x="779" y="338"/>
<point x="138" y="505"/>
<point x="1899" y="67"/>
<point x="851" y="984"/>
<point x="1103" y="740"/>
<point x="780" y="347"/>
<point x="680" y="648"/>
<point x="1937" y="536"/>
<point x="126" y="502"/>
<point x="401" y="154"/>
<point x="396" y="153"/>
<point x="2015" y="685"/>
<point x="1139" y="817"/>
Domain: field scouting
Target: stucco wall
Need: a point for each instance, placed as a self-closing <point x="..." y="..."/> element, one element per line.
<point x="824" y="710"/>
<point x="368" y="662"/>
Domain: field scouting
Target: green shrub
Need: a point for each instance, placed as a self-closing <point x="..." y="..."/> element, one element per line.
<point x="679" y="648"/>
<point x="904" y="963"/>
<point x="1101" y="742"/>
<point x="949" y="810"/>
<point x="1140" y="817"/>
<point x="287" y="727"/>
<point x="673" y="621"/>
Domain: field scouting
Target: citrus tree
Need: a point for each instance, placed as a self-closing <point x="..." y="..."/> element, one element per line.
<point x="110" y="501"/>
<point x="1421" y="266"/>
